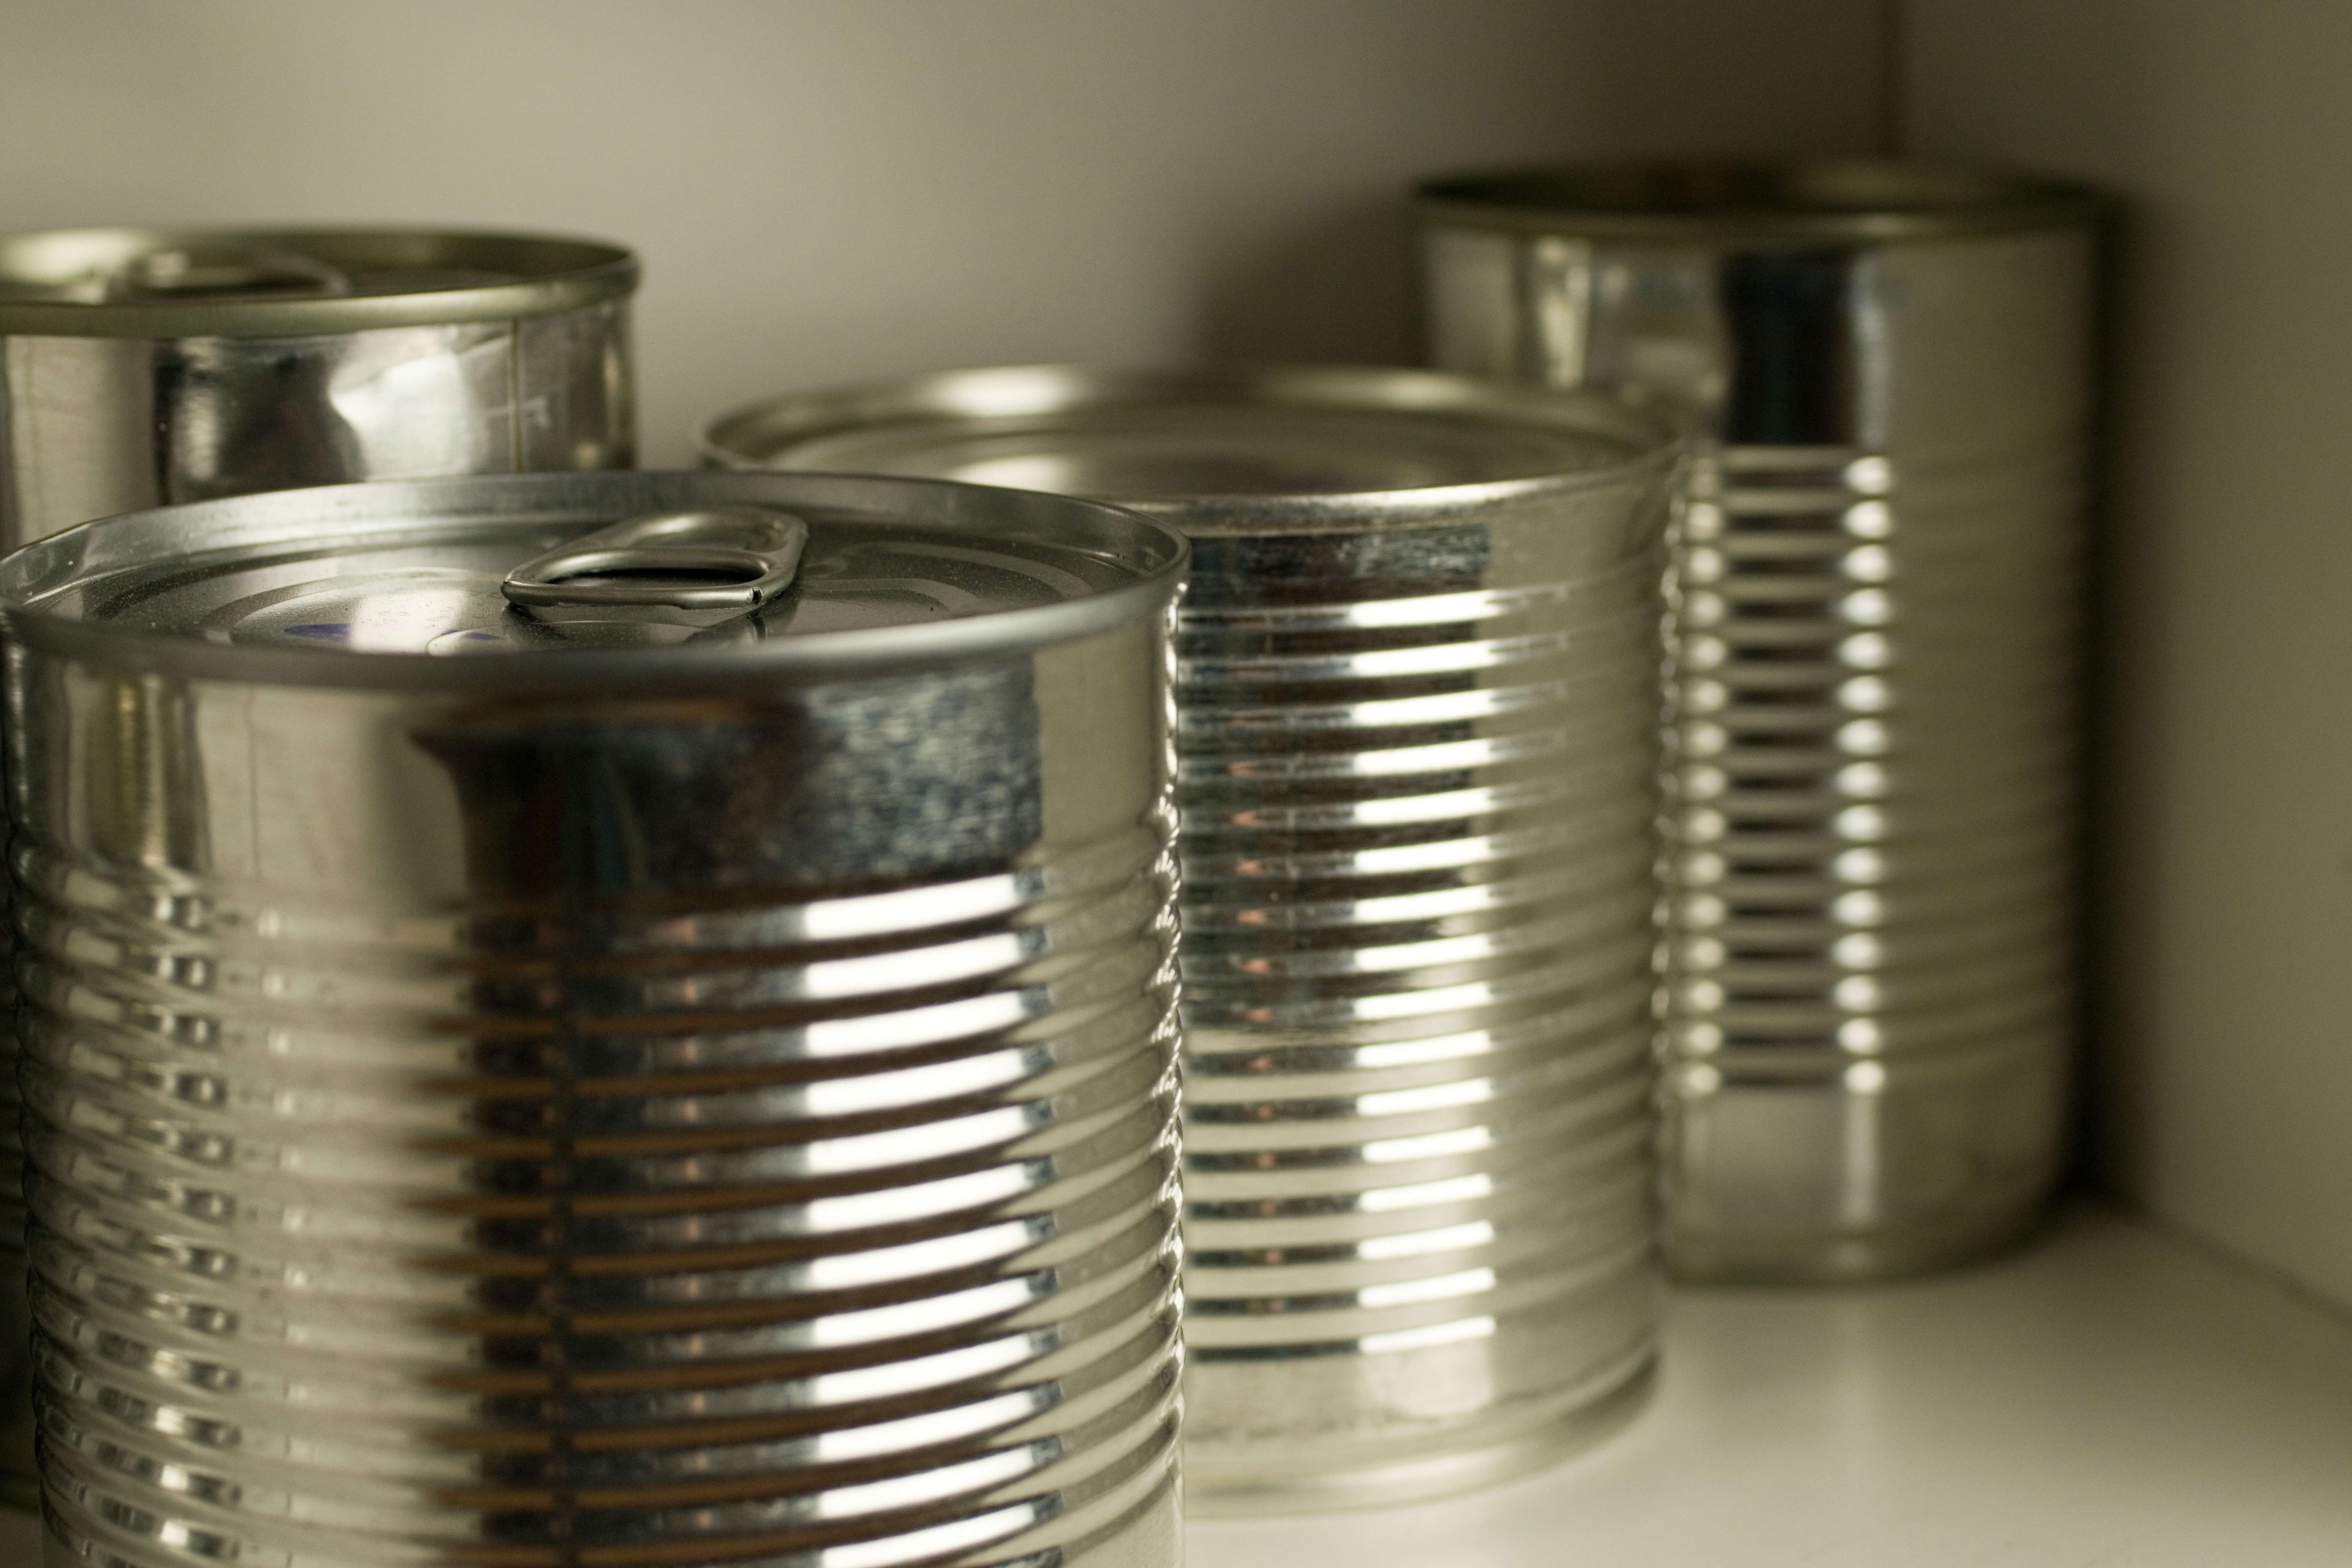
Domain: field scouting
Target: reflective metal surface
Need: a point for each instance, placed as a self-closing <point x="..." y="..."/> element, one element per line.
<point x="1869" y="955"/>
<point x="145" y="366"/>
<point x="500" y="1099"/>
<point x="1417" y="694"/>
<point x="695" y="569"/>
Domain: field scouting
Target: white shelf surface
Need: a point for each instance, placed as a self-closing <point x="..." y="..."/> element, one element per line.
<point x="2112" y="1398"/>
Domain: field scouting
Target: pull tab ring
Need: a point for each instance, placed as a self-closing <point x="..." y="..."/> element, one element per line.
<point x="686" y="568"/>
<point x="265" y="273"/>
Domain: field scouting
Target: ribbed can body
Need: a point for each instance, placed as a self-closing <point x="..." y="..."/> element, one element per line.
<point x="1870" y="946"/>
<point x="97" y="418"/>
<point x="1418" y="847"/>
<point x="702" y="1117"/>
<point x="1417" y="719"/>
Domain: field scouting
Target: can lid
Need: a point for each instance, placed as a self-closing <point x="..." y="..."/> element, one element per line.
<point x="1292" y="448"/>
<point x="566" y="575"/>
<point x="1819" y="201"/>
<point x="276" y="283"/>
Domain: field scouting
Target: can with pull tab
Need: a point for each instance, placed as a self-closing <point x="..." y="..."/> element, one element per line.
<point x="620" y="1019"/>
<point x="140" y="367"/>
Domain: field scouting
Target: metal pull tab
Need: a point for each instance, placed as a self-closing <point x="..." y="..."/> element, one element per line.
<point x="682" y="569"/>
<point x="237" y="273"/>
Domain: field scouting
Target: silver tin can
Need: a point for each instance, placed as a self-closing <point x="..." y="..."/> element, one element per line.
<point x="1417" y="695"/>
<point x="140" y="367"/>
<point x="1870" y="964"/>
<point x="689" y="1077"/>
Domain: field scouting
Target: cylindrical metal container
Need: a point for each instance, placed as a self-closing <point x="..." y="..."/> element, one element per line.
<point x="142" y="367"/>
<point x="681" y="1072"/>
<point x="1872" y="748"/>
<point x="1417" y="694"/>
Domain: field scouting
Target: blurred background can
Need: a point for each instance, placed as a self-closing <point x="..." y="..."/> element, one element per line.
<point x="140" y="367"/>
<point x="657" y="1084"/>
<point x="1871" y="946"/>
<point x="144" y="367"/>
<point x="1417" y="695"/>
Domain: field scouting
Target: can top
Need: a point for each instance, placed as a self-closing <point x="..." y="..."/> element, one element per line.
<point x="605" y="578"/>
<point x="1289" y="449"/>
<point x="285" y="283"/>
<point x="1797" y="201"/>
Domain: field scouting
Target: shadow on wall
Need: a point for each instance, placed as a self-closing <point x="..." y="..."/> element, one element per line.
<point x="2106" y="1144"/>
<point x="1338" y="291"/>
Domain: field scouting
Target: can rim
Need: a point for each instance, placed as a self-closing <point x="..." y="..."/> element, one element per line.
<point x="745" y="438"/>
<point x="413" y="509"/>
<point x="1795" y="201"/>
<point x="45" y="276"/>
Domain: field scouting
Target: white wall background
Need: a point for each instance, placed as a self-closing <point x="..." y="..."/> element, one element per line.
<point x="833" y="189"/>
<point x="2224" y="1067"/>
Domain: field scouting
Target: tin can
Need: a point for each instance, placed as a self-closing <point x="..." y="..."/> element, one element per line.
<point x="617" y="1019"/>
<point x="140" y="367"/>
<point x="1417" y="698"/>
<point x="1870" y="971"/>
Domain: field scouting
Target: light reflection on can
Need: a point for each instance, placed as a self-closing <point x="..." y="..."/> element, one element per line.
<point x="1872" y="755"/>
<point x="144" y="366"/>
<point x="643" y="1089"/>
<point x="1417" y="708"/>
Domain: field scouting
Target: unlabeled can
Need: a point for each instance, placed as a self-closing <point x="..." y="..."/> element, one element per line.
<point x="1417" y="694"/>
<point x="140" y="367"/>
<point x="620" y="1019"/>
<point x="1871" y="960"/>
